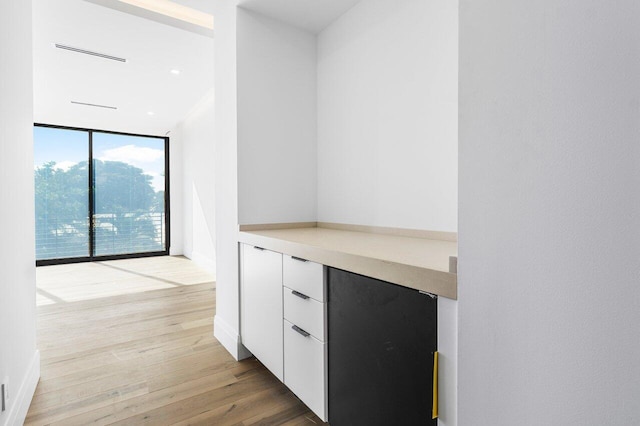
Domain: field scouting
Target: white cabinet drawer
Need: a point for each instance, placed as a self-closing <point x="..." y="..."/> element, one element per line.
<point x="305" y="312"/>
<point x="305" y="368"/>
<point x="303" y="276"/>
<point x="261" y="306"/>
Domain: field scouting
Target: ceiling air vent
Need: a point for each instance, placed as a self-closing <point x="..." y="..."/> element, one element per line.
<point x="93" y="105"/>
<point x="89" y="52"/>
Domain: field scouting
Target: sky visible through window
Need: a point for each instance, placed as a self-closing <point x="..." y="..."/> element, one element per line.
<point x="69" y="147"/>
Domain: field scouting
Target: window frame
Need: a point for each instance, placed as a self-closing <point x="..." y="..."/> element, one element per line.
<point x="91" y="194"/>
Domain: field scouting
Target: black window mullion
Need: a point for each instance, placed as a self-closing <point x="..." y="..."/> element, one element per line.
<point x="91" y="199"/>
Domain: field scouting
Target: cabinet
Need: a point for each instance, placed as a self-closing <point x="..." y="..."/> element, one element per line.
<point x="305" y="348"/>
<point x="304" y="276"/>
<point x="261" y="306"/>
<point x="381" y="341"/>
<point x="283" y="321"/>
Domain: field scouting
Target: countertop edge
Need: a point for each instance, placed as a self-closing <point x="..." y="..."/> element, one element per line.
<point x="419" y="278"/>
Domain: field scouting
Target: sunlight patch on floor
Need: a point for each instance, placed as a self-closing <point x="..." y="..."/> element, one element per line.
<point x="85" y="281"/>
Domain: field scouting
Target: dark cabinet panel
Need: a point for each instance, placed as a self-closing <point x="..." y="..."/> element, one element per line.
<point x="381" y="340"/>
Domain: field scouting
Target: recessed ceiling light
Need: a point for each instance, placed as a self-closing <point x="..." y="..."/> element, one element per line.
<point x="174" y="10"/>
<point x="150" y="113"/>
<point x="176" y="72"/>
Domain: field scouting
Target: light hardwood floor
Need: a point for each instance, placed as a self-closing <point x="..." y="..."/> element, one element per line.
<point x="131" y="342"/>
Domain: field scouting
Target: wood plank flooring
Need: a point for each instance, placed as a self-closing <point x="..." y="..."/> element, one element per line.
<point x="130" y="342"/>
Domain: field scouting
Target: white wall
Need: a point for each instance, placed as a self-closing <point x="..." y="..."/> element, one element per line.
<point x="227" y="319"/>
<point x="265" y="167"/>
<point x="387" y="115"/>
<point x="19" y="359"/>
<point x="277" y="176"/>
<point x="196" y="138"/>
<point x="549" y="236"/>
<point x="176" y="197"/>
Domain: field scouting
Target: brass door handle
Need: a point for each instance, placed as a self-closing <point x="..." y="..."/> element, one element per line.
<point x="434" y="410"/>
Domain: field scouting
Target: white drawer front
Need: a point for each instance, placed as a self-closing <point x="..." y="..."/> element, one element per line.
<point x="304" y="276"/>
<point x="305" y="369"/>
<point x="307" y="314"/>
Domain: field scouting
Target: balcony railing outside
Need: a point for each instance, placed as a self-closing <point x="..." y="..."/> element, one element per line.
<point x="115" y="233"/>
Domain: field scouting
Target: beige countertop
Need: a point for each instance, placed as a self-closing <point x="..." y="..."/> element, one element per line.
<point x="418" y="263"/>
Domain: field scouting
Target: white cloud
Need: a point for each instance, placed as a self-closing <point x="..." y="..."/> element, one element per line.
<point x="157" y="181"/>
<point x="150" y="160"/>
<point x="65" y="165"/>
<point x="132" y="154"/>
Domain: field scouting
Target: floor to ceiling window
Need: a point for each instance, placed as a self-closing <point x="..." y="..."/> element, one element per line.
<point x="99" y="195"/>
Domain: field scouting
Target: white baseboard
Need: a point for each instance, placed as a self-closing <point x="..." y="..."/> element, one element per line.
<point x="22" y="399"/>
<point x="229" y="338"/>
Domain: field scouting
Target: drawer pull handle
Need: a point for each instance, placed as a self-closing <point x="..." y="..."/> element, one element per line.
<point x="299" y="330"/>
<point x="299" y="259"/>
<point x="300" y="295"/>
<point x="258" y="248"/>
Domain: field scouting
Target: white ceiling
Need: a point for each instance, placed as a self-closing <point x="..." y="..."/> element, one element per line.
<point x="141" y="85"/>
<point x="311" y="15"/>
<point x="201" y="5"/>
